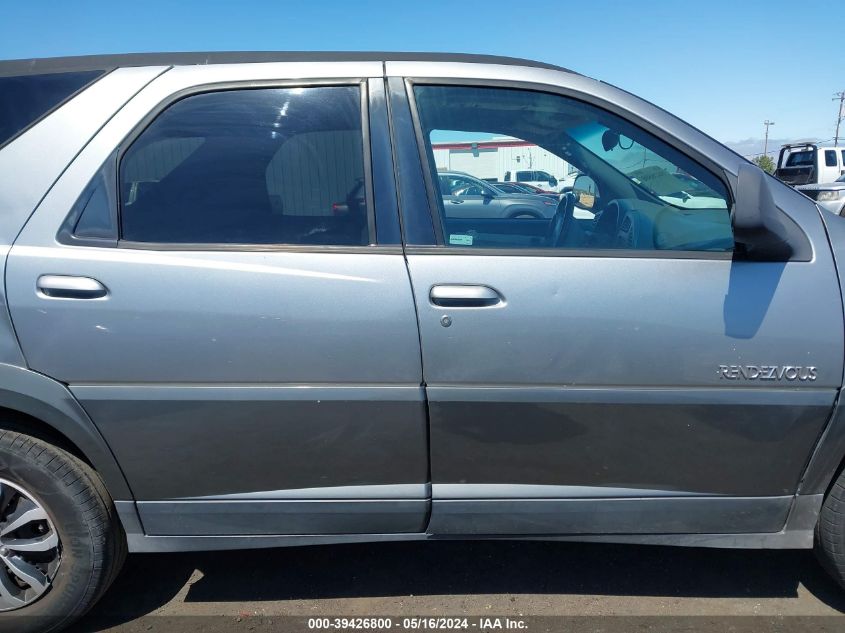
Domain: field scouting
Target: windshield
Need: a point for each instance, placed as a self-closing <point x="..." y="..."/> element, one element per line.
<point x="651" y="171"/>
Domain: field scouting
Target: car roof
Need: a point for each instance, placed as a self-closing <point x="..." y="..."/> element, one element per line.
<point x="110" y="62"/>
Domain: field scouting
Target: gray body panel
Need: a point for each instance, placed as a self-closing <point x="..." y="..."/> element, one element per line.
<point x="648" y="441"/>
<point x="220" y="518"/>
<point x="609" y="516"/>
<point x="258" y="441"/>
<point x="219" y="317"/>
<point x="267" y="397"/>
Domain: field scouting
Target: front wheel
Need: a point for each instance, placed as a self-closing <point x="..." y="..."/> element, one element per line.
<point x="61" y="544"/>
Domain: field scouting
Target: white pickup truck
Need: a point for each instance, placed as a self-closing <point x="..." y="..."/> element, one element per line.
<point x="810" y="163"/>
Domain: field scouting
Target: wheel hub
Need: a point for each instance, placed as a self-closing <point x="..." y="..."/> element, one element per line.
<point x="30" y="550"/>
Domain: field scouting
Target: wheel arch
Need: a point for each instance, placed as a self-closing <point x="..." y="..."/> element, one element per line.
<point x="36" y="404"/>
<point x="517" y="210"/>
<point x="828" y="459"/>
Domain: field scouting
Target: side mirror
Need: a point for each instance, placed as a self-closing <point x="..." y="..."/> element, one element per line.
<point x="759" y="230"/>
<point x="552" y="181"/>
<point x="585" y="191"/>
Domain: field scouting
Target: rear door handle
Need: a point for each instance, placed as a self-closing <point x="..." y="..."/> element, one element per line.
<point x="458" y="296"/>
<point x="70" y="287"/>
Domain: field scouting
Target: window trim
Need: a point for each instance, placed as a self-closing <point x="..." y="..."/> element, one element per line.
<point x="441" y="248"/>
<point x="623" y="253"/>
<point x="228" y="86"/>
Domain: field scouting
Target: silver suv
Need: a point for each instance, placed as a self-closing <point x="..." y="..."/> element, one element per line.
<point x="465" y="196"/>
<point x="237" y="312"/>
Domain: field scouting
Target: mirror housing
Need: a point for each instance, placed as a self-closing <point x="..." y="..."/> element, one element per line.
<point x="761" y="231"/>
<point x="552" y="181"/>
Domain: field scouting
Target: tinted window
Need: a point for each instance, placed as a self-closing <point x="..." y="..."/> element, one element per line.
<point x="633" y="191"/>
<point x="96" y="217"/>
<point x="269" y="166"/>
<point x="830" y="158"/>
<point x="801" y="159"/>
<point x="93" y="215"/>
<point x="25" y="99"/>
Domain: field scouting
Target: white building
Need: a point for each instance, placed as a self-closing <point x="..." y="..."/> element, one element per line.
<point x="492" y="159"/>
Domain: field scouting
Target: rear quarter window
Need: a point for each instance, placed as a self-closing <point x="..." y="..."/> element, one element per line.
<point x="25" y="99"/>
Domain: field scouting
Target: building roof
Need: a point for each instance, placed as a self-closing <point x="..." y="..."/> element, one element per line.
<point x="110" y="62"/>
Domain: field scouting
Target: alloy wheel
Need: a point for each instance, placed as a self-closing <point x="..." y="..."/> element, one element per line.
<point x="30" y="549"/>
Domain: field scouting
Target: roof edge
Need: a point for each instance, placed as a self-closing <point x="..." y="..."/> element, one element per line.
<point x="40" y="65"/>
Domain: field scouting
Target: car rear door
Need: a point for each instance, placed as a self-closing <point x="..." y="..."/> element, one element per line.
<point x="639" y="376"/>
<point x="218" y="278"/>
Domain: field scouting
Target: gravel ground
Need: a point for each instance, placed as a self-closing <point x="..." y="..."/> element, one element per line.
<point x="644" y="584"/>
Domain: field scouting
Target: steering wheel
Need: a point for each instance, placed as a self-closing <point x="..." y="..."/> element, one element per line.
<point x="562" y="220"/>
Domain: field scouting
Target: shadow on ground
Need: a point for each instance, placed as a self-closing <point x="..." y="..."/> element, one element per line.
<point x="452" y="567"/>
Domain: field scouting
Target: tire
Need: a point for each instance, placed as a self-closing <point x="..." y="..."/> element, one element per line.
<point x="91" y="543"/>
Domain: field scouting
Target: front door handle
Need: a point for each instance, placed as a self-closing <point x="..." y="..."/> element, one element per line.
<point x="70" y="287"/>
<point x="458" y="296"/>
<point x="456" y="201"/>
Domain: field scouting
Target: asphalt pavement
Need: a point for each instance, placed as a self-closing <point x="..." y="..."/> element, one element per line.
<point x="591" y="587"/>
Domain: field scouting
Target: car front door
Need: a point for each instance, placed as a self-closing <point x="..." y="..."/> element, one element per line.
<point x="628" y="373"/>
<point x="230" y="317"/>
<point x="465" y="198"/>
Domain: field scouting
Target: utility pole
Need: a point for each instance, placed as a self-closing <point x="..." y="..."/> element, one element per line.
<point x="840" y="96"/>
<point x="767" y="123"/>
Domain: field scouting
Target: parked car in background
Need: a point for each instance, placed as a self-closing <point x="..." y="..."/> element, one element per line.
<point x="466" y="196"/>
<point x="243" y="309"/>
<point x="535" y="189"/>
<point x="511" y="187"/>
<point x="514" y="187"/>
<point x="829" y="196"/>
<point x="542" y="180"/>
<point x="809" y="163"/>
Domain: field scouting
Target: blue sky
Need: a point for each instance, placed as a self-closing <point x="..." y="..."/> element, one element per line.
<point x="724" y="66"/>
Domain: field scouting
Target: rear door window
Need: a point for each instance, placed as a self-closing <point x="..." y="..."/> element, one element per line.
<point x="258" y="166"/>
<point x="25" y="99"/>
